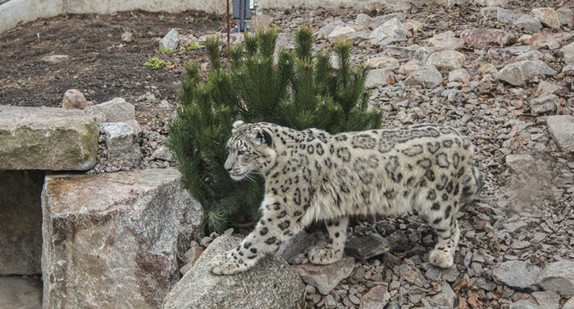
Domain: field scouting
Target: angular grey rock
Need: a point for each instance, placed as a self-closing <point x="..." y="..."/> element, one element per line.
<point x="127" y="37"/>
<point x="121" y="142"/>
<point x="389" y="5"/>
<point x="486" y="37"/>
<point x="525" y="304"/>
<point x="448" y="59"/>
<point x="413" y="52"/>
<point x="544" y="104"/>
<point x="530" y="55"/>
<point x="115" y="110"/>
<point x="44" y="138"/>
<point x="74" y="99"/>
<point x="561" y="129"/>
<point x="20" y="293"/>
<point x="547" y="299"/>
<point x="517" y="73"/>
<point x="427" y="76"/>
<point x="547" y="16"/>
<point x="378" y="77"/>
<point x="389" y="32"/>
<point x="516" y="50"/>
<point x="366" y="21"/>
<point x="387" y="63"/>
<point x="55" y="59"/>
<point x="507" y="16"/>
<point x="565" y="16"/>
<point x="567" y="52"/>
<point x="376" y="298"/>
<point x="326" y="277"/>
<point x="326" y="30"/>
<point x="548" y="39"/>
<point x="20" y="222"/>
<point x="451" y="3"/>
<point x="568" y="68"/>
<point x="519" y="163"/>
<point x="489" y="12"/>
<point x="113" y="240"/>
<point x="445" y="40"/>
<point x="515" y="226"/>
<point x="170" y="41"/>
<point x="413" y="26"/>
<point x="272" y="283"/>
<point x="516" y="274"/>
<point x="381" y="19"/>
<point x="341" y="33"/>
<point x="558" y="277"/>
<point x="498" y="3"/>
<point x="410" y="67"/>
<point x="162" y="153"/>
<point x="444" y="299"/>
<point x="569" y="304"/>
<point x="366" y="247"/>
<point x="527" y="24"/>
<point x="546" y="88"/>
<point x="459" y="76"/>
<point x="435" y="273"/>
<point x="193" y="254"/>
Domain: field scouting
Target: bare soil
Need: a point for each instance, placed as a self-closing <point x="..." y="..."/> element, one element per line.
<point x="100" y="64"/>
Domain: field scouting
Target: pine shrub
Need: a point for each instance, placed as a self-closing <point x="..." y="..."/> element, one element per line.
<point x="291" y="88"/>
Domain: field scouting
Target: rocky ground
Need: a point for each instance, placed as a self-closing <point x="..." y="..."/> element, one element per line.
<point x="488" y="68"/>
<point x="524" y="220"/>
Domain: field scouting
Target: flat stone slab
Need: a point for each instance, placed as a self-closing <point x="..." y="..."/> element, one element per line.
<point x="113" y="240"/>
<point x="47" y="138"/>
<point x="20" y="293"/>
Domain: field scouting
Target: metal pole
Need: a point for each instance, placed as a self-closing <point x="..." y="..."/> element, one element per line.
<point x="228" y="32"/>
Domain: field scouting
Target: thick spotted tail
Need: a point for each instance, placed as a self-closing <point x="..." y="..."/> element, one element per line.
<point x="477" y="176"/>
<point x="472" y="189"/>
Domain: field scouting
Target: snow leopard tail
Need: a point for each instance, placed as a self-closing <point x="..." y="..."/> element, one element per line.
<point x="474" y="188"/>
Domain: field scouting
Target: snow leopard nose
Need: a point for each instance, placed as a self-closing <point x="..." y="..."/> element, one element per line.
<point x="228" y="166"/>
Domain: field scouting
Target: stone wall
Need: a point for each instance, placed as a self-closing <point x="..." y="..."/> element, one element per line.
<point x="14" y="12"/>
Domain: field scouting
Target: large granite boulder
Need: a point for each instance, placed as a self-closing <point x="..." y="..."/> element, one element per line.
<point x="43" y="138"/>
<point x="20" y="222"/>
<point x="272" y="283"/>
<point x="113" y="240"/>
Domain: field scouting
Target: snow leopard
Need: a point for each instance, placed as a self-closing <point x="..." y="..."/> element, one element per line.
<point x="311" y="175"/>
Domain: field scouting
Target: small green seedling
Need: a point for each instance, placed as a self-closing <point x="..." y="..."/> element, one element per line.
<point x="164" y="50"/>
<point x="155" y="63"/>
<point x="193" y="46"/>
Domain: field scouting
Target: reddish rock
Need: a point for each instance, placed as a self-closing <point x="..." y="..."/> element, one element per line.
<point x="377" y="297"/>
<point x="484" y="37"/>
<point x="74" y="99"/>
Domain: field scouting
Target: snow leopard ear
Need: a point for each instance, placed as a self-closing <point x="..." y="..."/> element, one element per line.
<point x="236" y="125"/>
<point x="259" y="136"/>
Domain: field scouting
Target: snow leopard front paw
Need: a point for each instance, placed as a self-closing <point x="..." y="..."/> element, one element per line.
<point x="441" y="258"/>
<point x="324" y="256"/>
<point x="227" y="264"/>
